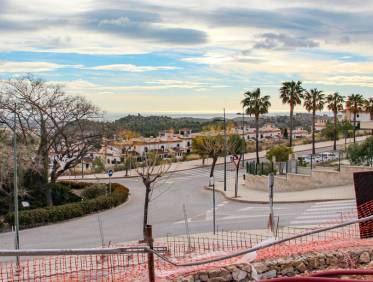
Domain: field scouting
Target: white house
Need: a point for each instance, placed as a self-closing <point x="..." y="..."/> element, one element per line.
<point x="320" y="124"/>
<point x="299" y="132"/>
<point x="363" y="118"/>
<point x="167" y="143"/>
<point x="268" y="131"/>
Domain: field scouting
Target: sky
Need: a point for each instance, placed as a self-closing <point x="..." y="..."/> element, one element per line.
<point x="188" y="56"/>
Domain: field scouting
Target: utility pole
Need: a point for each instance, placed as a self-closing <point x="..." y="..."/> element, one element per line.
<point x="243" y="137"/>
<point x="15" y="192"/>
<point x="225" y="152"/>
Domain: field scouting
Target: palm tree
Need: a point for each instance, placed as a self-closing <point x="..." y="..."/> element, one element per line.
<point x="314" y="101"/>
<point x="291" y="93"/>
<point x="355" y="103"/>
<point x="256" y="105"/>
<point x="335" y="104"/>
<point x="369" y="108"/>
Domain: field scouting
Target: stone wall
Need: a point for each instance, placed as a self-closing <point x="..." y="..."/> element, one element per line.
<point x="290" y="266"/>
<point x="300" y="182"/>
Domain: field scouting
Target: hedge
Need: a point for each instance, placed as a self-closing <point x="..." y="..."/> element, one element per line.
<point x="76" y="185"/>
<point x="43" y="216"/>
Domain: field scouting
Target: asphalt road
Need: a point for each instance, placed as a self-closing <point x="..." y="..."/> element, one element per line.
<point x="166" y="214"/>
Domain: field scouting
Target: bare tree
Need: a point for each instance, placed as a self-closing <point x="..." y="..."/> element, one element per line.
<point x="72" y="145"/>
<point x="24" y="157"/>
<point x="45" y="117"/>
<point x="151" y="169"/>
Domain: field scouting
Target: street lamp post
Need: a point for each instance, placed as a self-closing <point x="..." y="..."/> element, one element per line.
<point x="15" y="192"/>
<point x="225" y="152"/>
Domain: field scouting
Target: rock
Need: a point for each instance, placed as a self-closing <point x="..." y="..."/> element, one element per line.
<point x="370" y="265"/>
<point x="313" y="262"/>
<point x="216" y="272"/>
<point x="269" y="274"/>
<point x="333" y="261"/>
<point x="239" y="275"/>
<point x="188" y="279"/>
<point x="301" y="267"/>
<point x="364" y="257"/>
<point x="231" y="268"/>
<point x="289" y="271"/>
<point x="245" y="267"/>
<point x="222" y="273"/>
<point x="204" y="277"/>
<point x="217" y="279"/>
<point x="260" y="267"/>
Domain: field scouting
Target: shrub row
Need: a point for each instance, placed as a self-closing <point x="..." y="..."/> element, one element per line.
<point x="76" y="185"/>
<point x="43" y="216"/>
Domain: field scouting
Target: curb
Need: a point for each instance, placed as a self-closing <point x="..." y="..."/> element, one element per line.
<point x="274" y="201"/>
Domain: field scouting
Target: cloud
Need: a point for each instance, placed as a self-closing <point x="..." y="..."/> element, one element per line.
<point x="86" y="87"/>
<point x="225" y="57"/>
<point x="50" y="42"/>
<point x="30" y="67"/>
<point x="280" y="41"/>
<point x="309" y="22"/>
<point x="354" y="80"/>
<point x="132" y="68"/>
<point x="140" y="25"/>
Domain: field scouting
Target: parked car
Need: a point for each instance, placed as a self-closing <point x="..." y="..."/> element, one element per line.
<point x="305" y="159"/>
<point x="329" y="156"/>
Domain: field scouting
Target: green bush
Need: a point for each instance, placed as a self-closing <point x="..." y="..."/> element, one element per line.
<point x="62" y="195"/>
<point x="280" y="152"/>
<point x="76" y="185"/>
<point x="361" y="154"/>
<point x="42" y="216"/>
<point x="94" y="191"/>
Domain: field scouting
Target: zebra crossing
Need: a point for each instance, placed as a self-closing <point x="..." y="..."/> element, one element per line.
<point x="325" y="212"/>
<point x="200" y="172"/>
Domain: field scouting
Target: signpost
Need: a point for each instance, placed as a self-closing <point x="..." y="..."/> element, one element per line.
<point x="110" y="174"/>
<point x="270" y="189"/>
<point x="235" y="159"/>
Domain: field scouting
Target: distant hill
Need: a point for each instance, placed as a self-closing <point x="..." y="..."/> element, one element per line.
<point x="152" y="125"/>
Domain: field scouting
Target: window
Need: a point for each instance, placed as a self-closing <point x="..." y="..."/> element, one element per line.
<point x="87" y="166"/>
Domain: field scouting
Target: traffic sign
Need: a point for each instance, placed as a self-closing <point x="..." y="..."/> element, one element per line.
<point x="110" y="172"/>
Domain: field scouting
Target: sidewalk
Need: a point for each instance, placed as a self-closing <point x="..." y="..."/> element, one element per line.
<point x="186" y="165"/>
<point x="255" y="196"/>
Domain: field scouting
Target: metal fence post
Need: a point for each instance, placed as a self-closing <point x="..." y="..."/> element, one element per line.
<point x="149" y="240"/>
